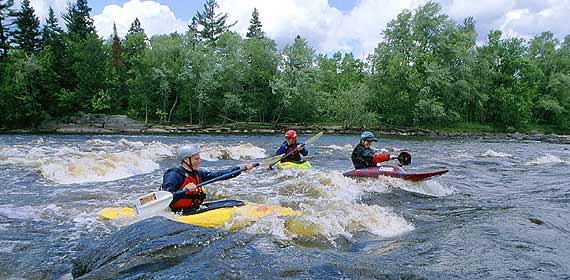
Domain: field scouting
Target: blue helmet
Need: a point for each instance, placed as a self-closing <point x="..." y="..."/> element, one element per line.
<point x="367" y="135"/>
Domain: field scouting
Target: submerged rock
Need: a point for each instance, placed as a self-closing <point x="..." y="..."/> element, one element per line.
<point x="158" y="248"/>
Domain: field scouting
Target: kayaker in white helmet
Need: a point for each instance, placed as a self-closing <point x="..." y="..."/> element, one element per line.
<point x="188" y="175"/>
<point x="364" y="156"/>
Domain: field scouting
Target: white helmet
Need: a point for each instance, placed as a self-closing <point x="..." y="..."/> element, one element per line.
<point x="186" y="151"/>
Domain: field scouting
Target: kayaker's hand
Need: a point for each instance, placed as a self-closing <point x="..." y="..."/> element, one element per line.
<point x="299" y="147"/>
<point x="247" y="167"/>
<point x="191" y="187"/>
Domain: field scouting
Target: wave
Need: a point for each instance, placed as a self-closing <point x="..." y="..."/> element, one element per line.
<point x="545" y="160"/>
<point x="491" y="153"/>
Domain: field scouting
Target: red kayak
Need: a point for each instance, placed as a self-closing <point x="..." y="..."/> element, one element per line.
<point x="394" y="171"/>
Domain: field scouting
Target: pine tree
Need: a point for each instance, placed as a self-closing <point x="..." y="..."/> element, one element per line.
<point x="254" y="29"/>
<point x="209" y="25"/>
<point x="5" y="14"/>
<point x="116" y="49"/>
<point x="79" y="22"/>
<point x="136" y="27"/>
<point x="51" y="33"/>
<point x="27" y="34"/>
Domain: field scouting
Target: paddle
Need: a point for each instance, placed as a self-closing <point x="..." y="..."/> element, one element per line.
<point x="309" y="141"/>
<point x="160" y="200"/>
<point x="404" y="158"/>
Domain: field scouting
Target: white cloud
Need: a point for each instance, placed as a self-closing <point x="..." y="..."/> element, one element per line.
<point x="155" y="18"/>
<point x="41" y="8"/>
<point x="515" y="18"/>
<point x="325" y="27"/>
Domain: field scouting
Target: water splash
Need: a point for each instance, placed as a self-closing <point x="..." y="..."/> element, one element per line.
<point x="491" y="153"/>
<point x="240" y="152"/>
<point x="545" y="160"/>
<point x="93" y="161"/>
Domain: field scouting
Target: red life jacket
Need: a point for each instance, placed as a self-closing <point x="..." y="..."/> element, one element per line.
<point x="189" y="199"/>
<point x="296" y="157"/>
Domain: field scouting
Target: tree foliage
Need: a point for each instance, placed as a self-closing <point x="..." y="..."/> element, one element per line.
<point x="426" y="70"/>
<point x="209" y="25"/>
<point x="27" y="35"/>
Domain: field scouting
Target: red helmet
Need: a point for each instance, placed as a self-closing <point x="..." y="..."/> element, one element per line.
<point x="291" y="134"/>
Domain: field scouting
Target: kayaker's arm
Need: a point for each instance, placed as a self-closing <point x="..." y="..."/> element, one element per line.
<point x="281" y="150"/>
<point x="206" y="175"/>
<point x="304" y="151"/>
<point x="171" y="181"/>
<point x="378" y="158"/>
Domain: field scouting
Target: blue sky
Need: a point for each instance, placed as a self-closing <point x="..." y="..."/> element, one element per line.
<point x="329" y="25"/>
<point x="186" y="9"/>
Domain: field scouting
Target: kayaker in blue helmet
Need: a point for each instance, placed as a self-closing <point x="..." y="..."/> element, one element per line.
<point x="364" y="156"/>
<point x="188" y="175"/>
<point x="290" y="145"/>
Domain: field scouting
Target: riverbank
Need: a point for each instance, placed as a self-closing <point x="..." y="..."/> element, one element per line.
<point x="120" y="124"/>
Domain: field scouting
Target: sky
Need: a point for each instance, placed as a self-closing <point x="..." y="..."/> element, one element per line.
<point x="329" y="26"/>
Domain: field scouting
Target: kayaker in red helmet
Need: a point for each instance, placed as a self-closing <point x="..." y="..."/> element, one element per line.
<point x="188" y="175"/>
<point x="291" y="144"/>
<point x="364" y="156"/>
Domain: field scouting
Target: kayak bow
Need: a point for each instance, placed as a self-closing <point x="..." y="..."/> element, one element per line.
<point x="214" y="214"/>
<point x="293" y="165"/>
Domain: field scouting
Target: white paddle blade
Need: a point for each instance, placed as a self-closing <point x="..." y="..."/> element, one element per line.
<point x="152" y="203"/>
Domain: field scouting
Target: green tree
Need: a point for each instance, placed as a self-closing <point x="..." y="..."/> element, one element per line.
<point x="6" y="13"/>
<point x="27" y="34"/>
<point x="79" y="22"/>
<point x="296" y="86"/>
<point x="90" y="66"/>
<point x="136" y="27"/>
<point x="260" y="60"/>
<point x="51" y="32"/>
<point x="22" y="92"/>
<point x="254" y="30"/>
<point x="208" y="25"/>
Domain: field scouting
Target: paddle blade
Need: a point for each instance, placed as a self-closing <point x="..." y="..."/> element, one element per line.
<point x="314" y="138"/>
<point x="270" y="160"/>
<point x="152" y="203"/>
<point x="405" y="158"/>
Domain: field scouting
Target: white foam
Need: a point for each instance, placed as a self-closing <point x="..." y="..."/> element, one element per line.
<point x="240" y="152"/>
<point x="429" y="187"/>
<point x="491" y="153"/>
<point x="329" y="202"/>
<point x="346" y="147"/>
<point x="118" y="160"/>
<point x="332" y="219"/>
<point x="20" y="213"/>
<point x="545" y="160"/>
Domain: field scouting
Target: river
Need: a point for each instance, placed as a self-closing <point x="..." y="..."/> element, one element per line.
<point x="501" y="212"/>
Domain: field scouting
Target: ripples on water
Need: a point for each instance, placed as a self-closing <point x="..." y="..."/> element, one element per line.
<point x="501" y="211"/>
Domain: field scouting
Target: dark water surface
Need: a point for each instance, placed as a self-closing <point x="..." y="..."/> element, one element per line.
<point x="502" y="212"/>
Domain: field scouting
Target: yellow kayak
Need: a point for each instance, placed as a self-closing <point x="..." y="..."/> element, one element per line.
<point x="293" y="165"/>
<point x="215" y="214"/>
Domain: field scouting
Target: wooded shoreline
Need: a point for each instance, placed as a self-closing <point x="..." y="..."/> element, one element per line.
<point x="120" y="124"/>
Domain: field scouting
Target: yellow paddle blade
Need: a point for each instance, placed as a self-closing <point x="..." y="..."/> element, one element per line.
<point x="314" y="138"/>
<point x="270" y="160"/>
<point x="113" y="213"/>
